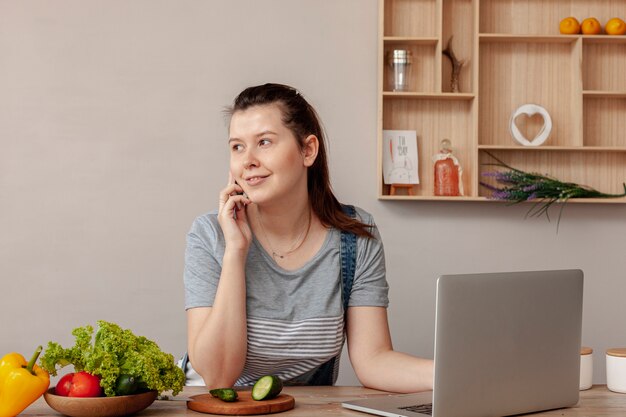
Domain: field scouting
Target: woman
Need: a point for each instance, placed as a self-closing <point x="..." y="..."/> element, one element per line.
<point x="263" y="274"/>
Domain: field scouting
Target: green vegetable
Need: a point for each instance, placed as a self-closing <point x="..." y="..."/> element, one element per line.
<point x="115" y="352"/>
<point x="126" y="385"/>
<point x="225" y="394"/>
<point x="266" y="388"/>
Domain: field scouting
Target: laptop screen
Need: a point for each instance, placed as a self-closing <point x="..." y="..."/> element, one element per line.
<point x="507" y="343"/>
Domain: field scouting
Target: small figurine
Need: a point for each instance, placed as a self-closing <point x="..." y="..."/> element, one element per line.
<point x="448" y="171"/>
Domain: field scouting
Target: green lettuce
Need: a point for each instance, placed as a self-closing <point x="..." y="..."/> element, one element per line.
<point x="115" y="352"/>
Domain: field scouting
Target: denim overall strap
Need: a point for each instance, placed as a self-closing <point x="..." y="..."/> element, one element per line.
<point x="183" y="362"/>
<point x="348" y="259"/>
<point x="326" y="373"/>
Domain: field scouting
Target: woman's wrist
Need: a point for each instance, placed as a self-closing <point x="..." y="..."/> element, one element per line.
<point x="235" y="254"/>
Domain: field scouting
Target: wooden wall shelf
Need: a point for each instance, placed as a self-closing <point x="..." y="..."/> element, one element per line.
<point x="515" y="55"/>
<point x="434" y="96"/>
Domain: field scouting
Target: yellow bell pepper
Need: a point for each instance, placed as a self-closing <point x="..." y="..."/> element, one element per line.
<point x="21" y="383"/>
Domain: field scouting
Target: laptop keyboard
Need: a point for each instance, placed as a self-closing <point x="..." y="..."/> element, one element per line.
<point x="422" y="408"/>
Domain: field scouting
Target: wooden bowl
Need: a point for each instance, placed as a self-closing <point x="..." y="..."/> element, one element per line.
<point x="99" y="406"/>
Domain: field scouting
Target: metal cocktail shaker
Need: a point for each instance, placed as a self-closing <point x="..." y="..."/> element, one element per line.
<point x="400" y="69"/>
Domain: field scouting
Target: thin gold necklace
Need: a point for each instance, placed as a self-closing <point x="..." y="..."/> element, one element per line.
<point x="296" y="245"/>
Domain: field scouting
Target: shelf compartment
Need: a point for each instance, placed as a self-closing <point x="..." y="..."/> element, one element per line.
<point x="423" y="65"/>
<point x="603" y="66"/>
<point x="600" y="170"/>
<point x="401" y="18"/>
<point x="534" y="17"/>
<point x="604" y="121"/>
<point x="433" y="120"/>
<point x="458" y="23"/>
<point x="522" y="17"/>
<point x="547" y="74"/>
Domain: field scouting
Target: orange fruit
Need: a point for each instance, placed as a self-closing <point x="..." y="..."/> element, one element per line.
<point x="569" y="26"/>
<point x="591" y="26"/>
<point x="615" y="26"/>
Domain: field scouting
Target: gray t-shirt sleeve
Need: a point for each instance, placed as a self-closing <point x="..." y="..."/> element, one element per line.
<point x="202" y="268"/>
<point x="370" y="286"/>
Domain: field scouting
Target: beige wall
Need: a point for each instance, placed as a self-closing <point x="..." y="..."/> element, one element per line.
<point x="112" y="140"/>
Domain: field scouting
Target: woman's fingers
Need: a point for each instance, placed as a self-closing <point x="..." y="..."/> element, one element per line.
<point x="242" y="215"/>
<point x="232" y="215"/>
<point x="230" y="190"/>
<point x="232" y="203"/>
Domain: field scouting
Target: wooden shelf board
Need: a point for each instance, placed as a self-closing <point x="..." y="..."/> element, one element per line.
<point x="391" y="40"/>
<point x="554" y="148"/>
<point x="504" y="38"/>
<point x="436" y="96"/>
<point x="619" y="200"/>
<point x="508" y="37"/>
<point x="603" y="38"/>
<point x="429" y="198"/>
<point x="604" y="94"/>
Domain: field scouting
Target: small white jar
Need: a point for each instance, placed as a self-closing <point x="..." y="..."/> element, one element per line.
<point x="586" y="368"/>
<point x="616" y="369"/>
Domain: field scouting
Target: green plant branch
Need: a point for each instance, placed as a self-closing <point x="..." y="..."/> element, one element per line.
<point x="517" y="186"/>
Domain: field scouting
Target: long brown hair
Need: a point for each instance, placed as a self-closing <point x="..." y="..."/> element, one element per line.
<point x="302" y="120"/>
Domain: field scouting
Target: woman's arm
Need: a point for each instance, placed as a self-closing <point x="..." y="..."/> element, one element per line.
<point x="217" y="335"/>
<point x="375" y="362"/>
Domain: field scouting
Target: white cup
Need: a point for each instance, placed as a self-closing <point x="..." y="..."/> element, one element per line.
<point x="586" y="368"/>
<point x="616" y="369"/>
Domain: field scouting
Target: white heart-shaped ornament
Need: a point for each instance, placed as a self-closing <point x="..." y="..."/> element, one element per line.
<point x="530" y="110"/>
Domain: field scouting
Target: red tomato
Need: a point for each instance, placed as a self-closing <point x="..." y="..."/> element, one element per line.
<point x="64" y="385"/>
<point x="79" y="384"/>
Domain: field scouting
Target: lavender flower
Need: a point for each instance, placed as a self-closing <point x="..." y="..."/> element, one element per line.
<point x="519" y="186"/>
<point x="531" y="188"/>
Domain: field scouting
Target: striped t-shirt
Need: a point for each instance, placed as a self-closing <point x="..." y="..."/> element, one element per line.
<point x="295" y="318"/>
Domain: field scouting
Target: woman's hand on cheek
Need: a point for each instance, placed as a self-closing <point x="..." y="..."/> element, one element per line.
<point x="233" y="218"/>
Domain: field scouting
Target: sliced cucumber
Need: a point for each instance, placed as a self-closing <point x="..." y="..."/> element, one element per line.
<point x="267" y="387"/>
<point x="225" y="394"/>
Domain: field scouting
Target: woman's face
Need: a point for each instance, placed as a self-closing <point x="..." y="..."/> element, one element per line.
<point x="265" y="157"/>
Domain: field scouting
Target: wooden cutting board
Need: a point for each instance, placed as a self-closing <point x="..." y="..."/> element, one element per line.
<point x="244" y="406"/>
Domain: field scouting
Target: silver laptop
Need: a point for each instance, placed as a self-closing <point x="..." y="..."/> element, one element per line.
<point x="505" y="344"/>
